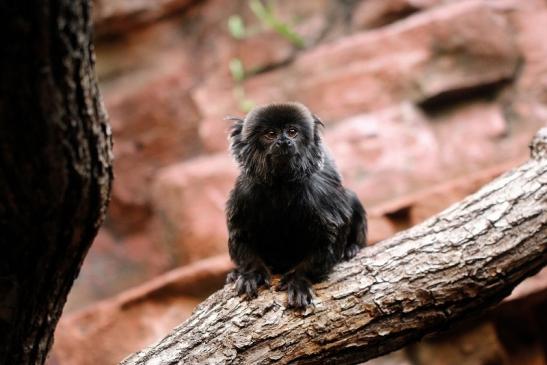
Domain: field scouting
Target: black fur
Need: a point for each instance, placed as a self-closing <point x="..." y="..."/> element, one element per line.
<point x="288" y="213"/>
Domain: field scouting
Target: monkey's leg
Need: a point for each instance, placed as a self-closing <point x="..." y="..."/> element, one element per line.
<point x="252" y="276"/>
<point x="298" y="281"/>
<point x="250" y="272"/>
<point x="357" y="236"/>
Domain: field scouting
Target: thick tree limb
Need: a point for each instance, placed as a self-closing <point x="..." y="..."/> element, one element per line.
<point x="55" y="167"/>
<point x="451" y="266"/>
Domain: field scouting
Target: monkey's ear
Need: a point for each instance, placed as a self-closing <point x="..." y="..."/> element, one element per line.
<point x="317" y="125"/>
<point x="317" y="121"/>
<point x="233" y="118"/>
<point x="235" y="137"/>
<point x="236" y="128"/>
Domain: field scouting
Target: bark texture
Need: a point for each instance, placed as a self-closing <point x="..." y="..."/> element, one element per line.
<point x="55" y="167"/>
<point x="454" y="265"/>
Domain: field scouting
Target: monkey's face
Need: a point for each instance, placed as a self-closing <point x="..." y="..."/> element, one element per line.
<point x="279" y="141"/>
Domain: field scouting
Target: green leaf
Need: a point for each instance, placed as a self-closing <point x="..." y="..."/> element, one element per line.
<point x="237" y="70"/>
<point x="267" y="17"/>
<point x="236" y="27"/>
<point x="244" y="104"/>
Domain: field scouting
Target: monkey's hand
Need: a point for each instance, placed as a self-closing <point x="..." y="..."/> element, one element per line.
<point x="351" y="250"/>
<point x="248" y="282"/>
<point x="299" y="290"/>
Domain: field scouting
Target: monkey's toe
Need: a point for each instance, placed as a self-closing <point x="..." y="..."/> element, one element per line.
<point x="351" y="250"/>
<point x="249" y="282"/>
<point x="232" y="276"/>
<point x="246" y="286"/>
<point x="299" y="290"/>
<point x="299" y="296"/>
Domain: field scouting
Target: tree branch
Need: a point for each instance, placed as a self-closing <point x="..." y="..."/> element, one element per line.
<point x="454" y="265"/>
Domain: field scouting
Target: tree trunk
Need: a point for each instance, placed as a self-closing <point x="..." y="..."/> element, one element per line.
<point x="55" y="167"/>
<point x="452" y="266"/>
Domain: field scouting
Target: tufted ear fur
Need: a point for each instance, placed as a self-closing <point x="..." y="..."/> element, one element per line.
<point x="317" y="126"/>
<point x="317" y="121"/>
<point x="235" y="137"/>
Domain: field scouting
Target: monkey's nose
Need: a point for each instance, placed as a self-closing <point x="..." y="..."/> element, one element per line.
<point x="283" y="143"/>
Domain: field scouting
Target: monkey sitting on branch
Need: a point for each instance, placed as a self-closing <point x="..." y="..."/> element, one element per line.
<point x="288" y="213"/>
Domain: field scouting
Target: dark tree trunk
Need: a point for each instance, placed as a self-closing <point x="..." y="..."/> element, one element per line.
<point x="452" y="266"/>
<point x="55" y="167"/>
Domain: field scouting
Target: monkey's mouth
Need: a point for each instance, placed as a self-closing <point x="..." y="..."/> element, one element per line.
<point x="282" y="155"/>
<point x="282" y="162"/>
<point x="284" y="151"/>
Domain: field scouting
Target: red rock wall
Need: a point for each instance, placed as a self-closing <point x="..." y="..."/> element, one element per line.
<point x="423" y="100"/>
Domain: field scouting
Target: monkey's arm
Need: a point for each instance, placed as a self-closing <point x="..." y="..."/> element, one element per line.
<point x="250" y="272"/>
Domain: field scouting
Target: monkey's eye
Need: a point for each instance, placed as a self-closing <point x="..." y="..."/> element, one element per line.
<point x="292" y="132"/>
<point x="271" y="135"/>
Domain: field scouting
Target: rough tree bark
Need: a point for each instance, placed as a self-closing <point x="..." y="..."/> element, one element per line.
<point x="454" y="265"/>
<point x="55" y="167"/>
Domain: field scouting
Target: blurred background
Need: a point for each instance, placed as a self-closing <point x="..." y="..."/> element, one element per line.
<point x="424" y="101"/>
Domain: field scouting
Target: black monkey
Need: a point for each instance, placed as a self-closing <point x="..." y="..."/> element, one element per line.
<point x="288" y="212"/>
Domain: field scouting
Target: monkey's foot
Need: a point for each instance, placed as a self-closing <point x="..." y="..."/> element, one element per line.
<point x="248" y="282"/>
<point x="232" y="276"/>
<point x="299" y="290"/>
<point x="351" y="250"/>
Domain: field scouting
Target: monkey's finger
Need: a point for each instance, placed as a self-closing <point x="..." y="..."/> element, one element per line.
<point x="285" y="280"/>
<point x="241" y="285"/>
<point x="300" y="293"/>
<point x="265" y="280"/>
<point x="252" y="292"/>
<point x="291" y="298"/>
<point x="232" y="276"/>
<point x="251" y="288"/>
<point x="247" y="286"/>
<point x="351" y="250"/>
<point x="298" y="298"/>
